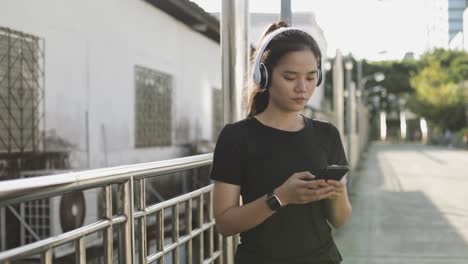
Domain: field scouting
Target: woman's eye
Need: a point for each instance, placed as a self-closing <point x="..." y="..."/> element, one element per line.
<point x="289" y="79"/>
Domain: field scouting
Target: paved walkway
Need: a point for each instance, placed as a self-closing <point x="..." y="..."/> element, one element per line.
<point x="410" y="205"/>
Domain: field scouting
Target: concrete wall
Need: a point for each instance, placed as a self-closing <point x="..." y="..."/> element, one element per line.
<point x="91" y="49"/>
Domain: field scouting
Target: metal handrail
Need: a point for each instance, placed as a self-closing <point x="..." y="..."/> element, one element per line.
<point x="132" y="209"/>
<point x="21" y="190"/>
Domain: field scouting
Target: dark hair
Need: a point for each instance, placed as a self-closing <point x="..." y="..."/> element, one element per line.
<point x="280" y="45"/>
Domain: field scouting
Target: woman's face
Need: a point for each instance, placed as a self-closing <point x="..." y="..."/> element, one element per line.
<point x="293" y="82"/>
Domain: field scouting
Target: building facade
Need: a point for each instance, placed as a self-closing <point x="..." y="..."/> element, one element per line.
<point x="120" y="83"/>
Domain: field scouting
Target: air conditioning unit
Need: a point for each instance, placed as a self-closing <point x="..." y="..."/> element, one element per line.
<point x="56" y="215"/>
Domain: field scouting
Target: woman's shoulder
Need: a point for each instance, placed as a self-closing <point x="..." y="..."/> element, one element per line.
<point x="320" y="124"/>
<point x="323" y="128"/>
<point x="241" y="124"/>
<point x="235" y="130"/>
<point x="237" y="126"/>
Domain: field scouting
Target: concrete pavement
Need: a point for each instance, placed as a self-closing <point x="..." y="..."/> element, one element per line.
<point x="410" y="205"/>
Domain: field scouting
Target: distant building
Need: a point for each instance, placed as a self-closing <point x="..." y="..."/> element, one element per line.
<point x="445" y="24"/>
<point x="455" y="18"/>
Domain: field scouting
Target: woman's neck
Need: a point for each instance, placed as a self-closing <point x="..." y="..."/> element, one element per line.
<point x="291" y="121"/>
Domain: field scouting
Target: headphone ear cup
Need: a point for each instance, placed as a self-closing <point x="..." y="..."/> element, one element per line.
<point x="264" y="76"/>
<point x="319" y="77"/>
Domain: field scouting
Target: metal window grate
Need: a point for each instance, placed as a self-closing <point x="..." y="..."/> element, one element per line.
<point x="21" y="91"/>
<point x="37" y="216"/>
<point x="153" y="117"/>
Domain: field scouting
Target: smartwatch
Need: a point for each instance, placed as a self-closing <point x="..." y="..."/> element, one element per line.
<point x="273" y="201"/>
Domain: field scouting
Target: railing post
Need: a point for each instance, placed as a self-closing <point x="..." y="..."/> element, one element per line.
<point x="189" y="231"/>
<point x="108" y="233"/>
<point x="141" y="206"/>
<point x="210" y="216"/>
<point x="126" y="229"/>
<point x="46" y="257"/>
<point x="201" y="248"/>
<point x="80" y="251"/>
<point x="175" y="232"/>
<point x="2" y="229"/>
<point x="160" y="243"/>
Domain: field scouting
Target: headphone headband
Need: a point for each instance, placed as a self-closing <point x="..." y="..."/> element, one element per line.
<point x="262" y="79"/>
<point x="257" y="77"/>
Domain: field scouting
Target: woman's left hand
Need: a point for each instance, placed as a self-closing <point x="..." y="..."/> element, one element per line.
<point x="339" y="188"/>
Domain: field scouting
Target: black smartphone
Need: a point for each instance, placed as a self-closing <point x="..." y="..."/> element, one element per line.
<point x="332" y="172"/>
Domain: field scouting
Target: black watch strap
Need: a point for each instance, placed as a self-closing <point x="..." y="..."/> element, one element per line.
<point x="273" y="202"/>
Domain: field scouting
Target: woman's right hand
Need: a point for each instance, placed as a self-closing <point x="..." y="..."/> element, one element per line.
<point x="300" y="188"/>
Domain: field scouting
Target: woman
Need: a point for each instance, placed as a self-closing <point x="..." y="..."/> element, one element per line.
<point x="270" y="157"/>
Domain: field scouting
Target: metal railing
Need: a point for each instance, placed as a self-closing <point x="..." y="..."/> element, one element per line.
<point x="131" y="218"/>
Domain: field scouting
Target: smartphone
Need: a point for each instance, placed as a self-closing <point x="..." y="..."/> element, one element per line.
<point x="332" y="172"/>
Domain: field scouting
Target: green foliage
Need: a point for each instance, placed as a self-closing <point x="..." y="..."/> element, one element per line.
<point x="434" y="87"/>
<point x="397" y="74"/>
<point x="440" y="94"/>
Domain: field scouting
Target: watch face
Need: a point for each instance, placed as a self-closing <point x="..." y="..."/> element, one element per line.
<point x="273" y="203"/>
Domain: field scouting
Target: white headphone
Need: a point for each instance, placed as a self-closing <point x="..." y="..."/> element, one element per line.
<point x="260" y="72"/>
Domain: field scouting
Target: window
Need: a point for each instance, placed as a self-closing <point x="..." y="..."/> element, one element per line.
<point x="21" y="91"/>
<point x="218" y="114"/>
<point x="153" y="115"/>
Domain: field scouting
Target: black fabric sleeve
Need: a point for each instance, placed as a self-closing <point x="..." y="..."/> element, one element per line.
<point x="227" y="164"/>
<point x="336" y="154"/>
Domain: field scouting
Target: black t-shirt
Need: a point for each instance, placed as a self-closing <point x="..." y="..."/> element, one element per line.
<point x="260" y="158"/>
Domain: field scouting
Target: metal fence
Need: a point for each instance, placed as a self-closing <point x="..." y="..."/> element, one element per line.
<point x="130" y="220"/>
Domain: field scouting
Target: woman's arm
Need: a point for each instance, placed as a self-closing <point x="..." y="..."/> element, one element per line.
<point x="232" y="218"/>
<point x="338" y="206"/>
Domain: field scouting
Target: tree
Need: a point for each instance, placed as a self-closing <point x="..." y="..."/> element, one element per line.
<point x="440" y="95"/>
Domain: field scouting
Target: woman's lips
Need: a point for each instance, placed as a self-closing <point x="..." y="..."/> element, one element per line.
<point x="299" y="100"/>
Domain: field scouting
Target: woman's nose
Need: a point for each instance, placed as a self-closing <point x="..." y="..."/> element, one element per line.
<point x="301" y="86"/>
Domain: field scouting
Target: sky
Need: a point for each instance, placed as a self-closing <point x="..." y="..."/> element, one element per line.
<point x="370" y="29"/>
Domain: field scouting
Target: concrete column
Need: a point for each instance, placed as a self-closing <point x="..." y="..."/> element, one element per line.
<point x="286" y="15"/>
<point x="338" y="88"/>
<point x="383" y="125"/>
<point x="235" y="61"/>
<point x="234" y="57"/>
<point x="403" y="125"/>
<point x="351" y="117"/>
<point x="359" y="104"/>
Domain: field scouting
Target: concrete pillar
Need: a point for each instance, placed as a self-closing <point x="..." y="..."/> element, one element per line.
<point x="338" y="88"/>
<point x="286" y="15"/>
<point x="351" y="117"/>
<point x="359" y="104"/>
<point x="403" y="125"/>
<point x="234" y="57"/>
<point x="383" y="125"/>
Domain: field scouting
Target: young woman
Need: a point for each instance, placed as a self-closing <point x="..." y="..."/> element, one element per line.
<point x="270" y="159"/>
